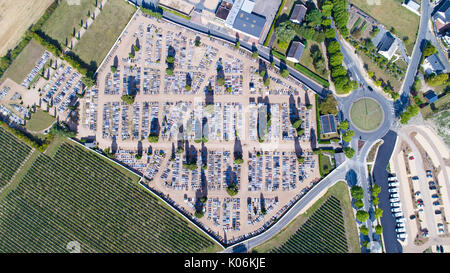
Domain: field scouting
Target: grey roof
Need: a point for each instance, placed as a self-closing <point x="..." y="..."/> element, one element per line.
<point x="296" y="50"/>
<point x="249" y="23"/>
<point x="386" y="42"/>
<point x="434" y="62"/>
<point x="328" y="124"/>
<point x="298" y="13"/>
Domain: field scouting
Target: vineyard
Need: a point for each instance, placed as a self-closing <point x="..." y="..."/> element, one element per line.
<point x="323" y="232"/>
<point x="12" y="153"/>
<point x="78" y="196"/>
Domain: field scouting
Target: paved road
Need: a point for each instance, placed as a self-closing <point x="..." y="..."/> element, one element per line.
<point x="416" y="56"/>
<point x="380" y="176"/>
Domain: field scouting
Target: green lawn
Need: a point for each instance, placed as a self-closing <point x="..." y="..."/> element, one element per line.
<point x="339" y="191"/>
<point x="441" y="104"/>
<point x="307" y="61"/>
<point x="391" y="14"/>
<point x="106" y="28"/>
<point x="366" y="114"/>
<point x="67" y="17"/>
<point x="24" y="62"/>
<point x="39" y="121"/>
<point x="76" y="196"/>
<point x="326" y="163"/>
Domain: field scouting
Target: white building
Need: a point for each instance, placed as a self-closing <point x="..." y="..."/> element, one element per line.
<point x="412" y="6"/>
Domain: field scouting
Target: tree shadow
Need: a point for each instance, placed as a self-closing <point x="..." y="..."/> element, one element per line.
<point x="351" y="178"/>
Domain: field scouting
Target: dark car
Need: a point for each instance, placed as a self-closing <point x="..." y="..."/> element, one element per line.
<point x="436" y="203"/>
<point x="432" y="188"/>
<point x="435" y="196"/>
<point x="412" y="217"/>
<point x="431" y="183"/>
<point x="437" y="212"/>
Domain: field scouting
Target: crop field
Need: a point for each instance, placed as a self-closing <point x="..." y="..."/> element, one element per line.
<point x="16" y="16"/>
<point x="67" y="17"/>
<point x="78" y="196"/>
<point x="323" y="232"/>
<point x="12" y="153"/>
<point x="106" y="28"/>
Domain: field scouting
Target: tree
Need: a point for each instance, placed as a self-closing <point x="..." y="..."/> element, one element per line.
<point x="357" y="192"/>
<point x="88" y="82"/>
<point x="232" y="189"/>
<point x="314" y="16"/>
<point x="333" y="47"/>
<point x="238" y="161"/>
<point x="330" y="33"/>
<point x="262" y="73"/>
<point x="197" y="42"/>
<point x="203" y="199"/>
<point x="337" y="71"/>
<point x="113" y="69"/>
<point x="221" y="81"/>
<point x="237" y="45"/>
<point x="285" y="32"/>
<point x="326" y="22"/>
<point x="267" y="82"/>
<point x="375" y="201"/>
<point x="61" y="129"/>
<point x="336" y="59"/>
<point x="328" y="105"/>
<point x="284" y="73"/>
<point x="344" y="125"/>
<point x="255" y="54"/>
<point x="296" y="124"/>
<point x="347" y="136"/>
<point x="349" y="152"/>
<point x="362" y="215"/>
<point x="199" y="214"/>
<point x="300" y="159"/>
<point x="410" y="112"/>
<point x="326" y="8"/>
<point x="378" y="229"/>
<point x="378" y="213"/>
<point x="376" y="190"/>
<point x="170" y="59"/>
<point x="129" y="99"/>
<point x="429" y="49"/>
<point x="153" y="138"/>
<point x="359" y="204"/>
<point x="435" y="80"/>
<point x="364" y="230"/>
<point x="169" y="71"/>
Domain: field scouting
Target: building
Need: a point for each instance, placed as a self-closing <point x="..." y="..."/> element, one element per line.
<point x="387" y="46"/>
<point x="431" y="97"/>
<point x="250" y="24"/>
<point x="328" y="124"/>
<point x="295" y="52"/>
<point x="412" y="6"/>
<point x="223" y="10"/>
<point x="431" y="64"/>
<point x="442" y="17"/>
<point x="298" y="13"/>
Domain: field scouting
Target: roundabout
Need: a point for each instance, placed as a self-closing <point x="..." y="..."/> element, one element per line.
<point x="366" y="114"/>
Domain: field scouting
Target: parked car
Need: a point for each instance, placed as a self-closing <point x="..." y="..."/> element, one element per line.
<point x="395" y="204"/>
<point x="420" y="210"/>
<point x="394" y="200"/>
<point x="420" y="205"/>
<point x="400" y="224"/>
<point x="399" y="215"/>
<point x="401" y="235"/>
<point x="415" y="178"/>
<point x="429" y="174"/>
<point x="441" y="231"/>
<point x="411" y="157"/>
<point x="396" y="209"/>
<point x="437" y="212"/>
<point x="432" y="188"/>
<point x="400" y="229"/>
<point x="431" y="183"/>
<point x="393" y="190"/>
<point x="419" y="201"/>
<point x="412" y="217"/>
<point x="440" y="225"/>
<point x="400" y="219"/>
<point x="436" y="203"/>
<point x="394" y="195"/>
<point x="393" y="184"/>
<point x="418" y="193"/>
<point x="435" y="196"/>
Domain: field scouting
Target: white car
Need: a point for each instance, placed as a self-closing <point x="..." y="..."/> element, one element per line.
<point x="440" y="225"/>
<point x="393" y="190"/>
<point x="401" y="235"/>
<point x="393" y="184"/>
<point x="400" y="220"/>
<point x="394" y="200"/>
<point x="395" y="204"/>
<point x="401" y="224"/>
<point x="401" y="229"/>
<point x="441" y="231"/>
<point x="396" y="209"/>
<point x="398" y="214"/>
<point x="395" y="195"/>
<point x="392" y="178"/>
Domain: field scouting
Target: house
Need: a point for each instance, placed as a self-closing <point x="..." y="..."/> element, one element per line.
<point x="442" y="17"/>
<point x="412" y="6"/>
<point x="387" y="46"/>
<point x="328" y="124"/>
<point x="295" y="52"/>
<point x="431" y="64"/>
<point x="431" y="97"/>
<point x="223" y="10"/>
<point x="298" y="13"/>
